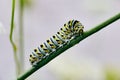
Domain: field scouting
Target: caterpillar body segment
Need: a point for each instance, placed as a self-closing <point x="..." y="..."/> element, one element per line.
<point x="44" y="48"/>
<point x="33" y="59"/>
<point x="62" y="36"/>
<point x="51" y="45"/>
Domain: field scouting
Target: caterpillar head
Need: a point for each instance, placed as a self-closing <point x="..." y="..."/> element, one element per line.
<point x="78" y="27"/>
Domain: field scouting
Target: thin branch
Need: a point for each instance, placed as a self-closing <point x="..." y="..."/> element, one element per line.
<point x="11" y="38"/>
<point x="72" y="43"/>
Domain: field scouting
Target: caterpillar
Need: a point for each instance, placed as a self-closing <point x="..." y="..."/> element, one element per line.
<point x="69" y="31"/>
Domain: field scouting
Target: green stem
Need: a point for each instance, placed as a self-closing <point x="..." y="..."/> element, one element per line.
<point x="72" y="43"/>
<point x="21" y="35"/>
<point x="11" y="39"/>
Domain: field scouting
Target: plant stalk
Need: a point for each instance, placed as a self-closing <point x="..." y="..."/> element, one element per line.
<point x="72" y="43"/>
<point x="11" y="39"/>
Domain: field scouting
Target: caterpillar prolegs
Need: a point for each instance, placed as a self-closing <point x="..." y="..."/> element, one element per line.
<point x="69" y="31"/>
